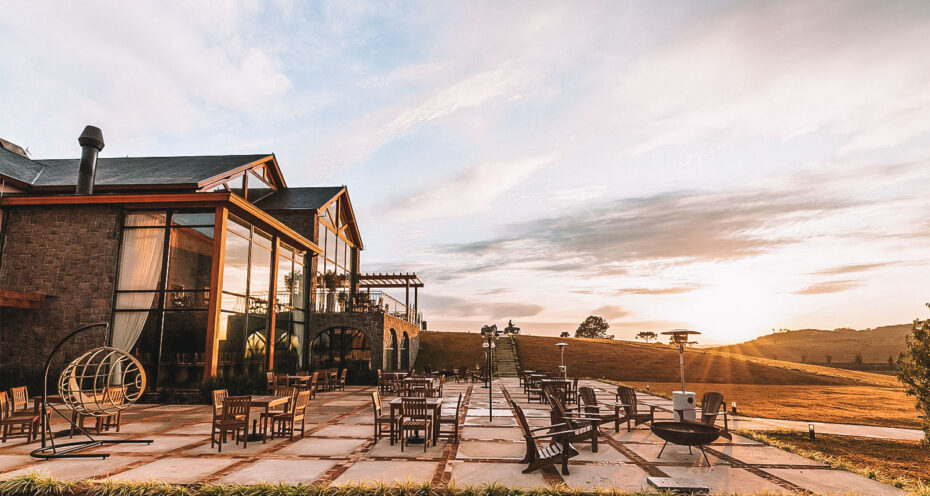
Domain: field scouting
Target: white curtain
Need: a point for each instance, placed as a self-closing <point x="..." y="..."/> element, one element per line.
<point x="140" y="267"/>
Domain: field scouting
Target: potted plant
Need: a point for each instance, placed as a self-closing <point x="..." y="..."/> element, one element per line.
<point x="332" y="282"/>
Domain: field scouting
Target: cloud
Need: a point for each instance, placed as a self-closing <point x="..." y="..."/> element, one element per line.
<point x="468" y="192"/>
<point x="610" y="312"/>
<point x="827" y="287"/>
<point x="853" y="268"/>
<point x="661" y="291"/>
<point x="461" y="307"/>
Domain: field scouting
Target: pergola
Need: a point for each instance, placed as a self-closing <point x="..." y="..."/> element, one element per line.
<point x="395" y="280"/>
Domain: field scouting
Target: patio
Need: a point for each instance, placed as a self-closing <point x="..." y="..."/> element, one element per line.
<point x="339" y="448"/>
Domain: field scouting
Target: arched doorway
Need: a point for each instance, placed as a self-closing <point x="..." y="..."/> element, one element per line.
<point x="392" y="352"/>
<point x="405" y="353"/>
<point x="341" y="347"/>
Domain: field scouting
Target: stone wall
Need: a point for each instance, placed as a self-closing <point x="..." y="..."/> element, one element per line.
<point x="374" y="325"/>
<point x="68" y="254"/>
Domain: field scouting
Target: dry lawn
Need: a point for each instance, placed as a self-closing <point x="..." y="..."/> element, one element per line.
<point x="875" y="457"/>
<point x="450" y="350"/>
<point x="858" y="404"/>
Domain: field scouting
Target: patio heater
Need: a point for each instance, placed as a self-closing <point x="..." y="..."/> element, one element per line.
<point x="490" y="333"/>
<point x="682" y="400"/>
<point x="562" y="369"/>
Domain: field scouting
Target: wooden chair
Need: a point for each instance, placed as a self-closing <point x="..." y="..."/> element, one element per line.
<point x="381" y="418"/>
<point x="103" y="422"/>
<point x="22" y="423"/>
<point x="710" y="410"/>
<point x="287" y="420"/>
<point x="571" y="392"/>
<point x="592" y="408"/>
<point x="281" y="392"/>
<point x="219" y="395"/>
<point x="342" y="380"/>
<point x="415" y="416"/>
<point x="234" y="420"/>
<point x="270" y="381"/>
<point x="461" y="375"/>
<point x="626" y="396"/>
<point x="383" y="384"/>
<point x="441" y="382"/>
<point x="314" y="386"/>
<point x="580" y="426"/>
<point x="453" y="433"/>
<point x="559" y="449"/>
<point x="19" y="399"/>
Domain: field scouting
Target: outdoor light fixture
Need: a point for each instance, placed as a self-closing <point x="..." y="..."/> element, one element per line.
<point x="734" y="408"/>
<point x="490" y="334"/>
<point x="810" y="428"/>
<point x="683" y="401"/>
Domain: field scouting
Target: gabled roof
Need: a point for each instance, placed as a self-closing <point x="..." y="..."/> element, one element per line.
<point x="190" y="170"/>
<point x="17" y="167"/>
<point x="300" y="198"/>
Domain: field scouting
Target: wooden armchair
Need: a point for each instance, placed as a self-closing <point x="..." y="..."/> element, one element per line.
<point x="103" y="422"/>
<point x="342" y="380"/>
<point x="559" y="449"/>
<point x="286" y="421"/>
<point x="12" y="423"/>
<point x="592" y="408"/>
<point x="314" y="385"/>
<point x="270" y="381"/>
<point x="710" y="409"/>
<point x="453" y="421"/>
<point x="461" y="375"/>
<point x="579" y="426"/>
<point x="626" y="396"/>
<point x="234" y="420"/>
<point x="415" y="417"/>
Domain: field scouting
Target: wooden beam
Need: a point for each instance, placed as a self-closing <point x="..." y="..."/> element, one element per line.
<point x="18" y="299"/>
<point x="216" y="294"/>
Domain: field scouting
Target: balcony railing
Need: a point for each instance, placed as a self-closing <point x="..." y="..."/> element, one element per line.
<point x="373" y="301"/>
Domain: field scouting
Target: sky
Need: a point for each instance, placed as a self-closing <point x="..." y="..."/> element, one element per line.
<point x="728" y="167"/>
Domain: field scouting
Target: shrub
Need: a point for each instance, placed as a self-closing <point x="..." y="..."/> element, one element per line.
<point x="913" y="370"/>
<point x="250" y="382"/>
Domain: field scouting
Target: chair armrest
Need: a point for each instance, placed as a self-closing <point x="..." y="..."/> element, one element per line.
<point x="548" y="427"/>
<point x="552" y="434"/>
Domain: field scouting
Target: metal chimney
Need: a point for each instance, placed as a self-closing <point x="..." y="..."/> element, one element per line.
<point x="91" y="141"/>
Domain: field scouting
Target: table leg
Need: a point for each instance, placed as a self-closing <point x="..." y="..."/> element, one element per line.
<point x="393" y="425"/>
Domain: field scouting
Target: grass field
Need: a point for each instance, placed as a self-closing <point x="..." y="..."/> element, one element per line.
<point x="449" y="350"/>
<point x="859" y="404"/>
<point x="881" y="459"/>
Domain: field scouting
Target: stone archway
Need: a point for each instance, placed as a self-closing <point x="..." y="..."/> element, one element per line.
<point x="392" y="352"/>
<point x="405" y="353"/>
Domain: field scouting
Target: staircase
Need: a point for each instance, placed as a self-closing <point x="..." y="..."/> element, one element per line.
<point x="505" y="359"/>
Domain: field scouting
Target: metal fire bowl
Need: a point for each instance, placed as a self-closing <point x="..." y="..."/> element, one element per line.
<point x="686" y="433"/>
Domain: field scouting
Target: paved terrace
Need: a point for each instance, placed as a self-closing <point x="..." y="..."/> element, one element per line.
<point x="339" y="447"/>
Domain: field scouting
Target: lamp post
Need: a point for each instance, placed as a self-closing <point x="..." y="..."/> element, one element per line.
<point x="490" y="333"/>
<point x="682" y="400"/>
<point x="562" y="359"/>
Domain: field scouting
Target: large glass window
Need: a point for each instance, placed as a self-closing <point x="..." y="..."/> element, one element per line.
<point x="334" y="265"/>
<point x="163" y="286"/>
<point x="290" y="308"/>
<point x="341" y="348"/>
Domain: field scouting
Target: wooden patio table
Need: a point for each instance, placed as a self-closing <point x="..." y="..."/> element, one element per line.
<point x="434" y="404"/>
<point x="298" y="380"/>
<point x="267" y="402"/>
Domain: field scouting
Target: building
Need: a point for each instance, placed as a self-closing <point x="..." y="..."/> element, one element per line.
<point x="198" y="263"/>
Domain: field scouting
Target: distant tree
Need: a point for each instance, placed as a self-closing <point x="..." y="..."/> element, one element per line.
<point x="803" y="358"/>
<point x="891" y="362"/>
<point x="774" y="357"/>
<point x="593" y="327"/>
<point x="565" y="334"/>
<point x="913" y="370"/>
<point x="646" y="336"/>
<point x="858" y="359"/>
<point x="829" y="359"/>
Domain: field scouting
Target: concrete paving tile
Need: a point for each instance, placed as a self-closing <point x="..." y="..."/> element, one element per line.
<point x="491" y="449"/>
<point x="605" y="453"/>
<point x="275" y="471"/>
<point x="622" y="476"/>
<point x="672" y="453"/>
<point x="634" y="436"/>
<point x="388" y="471"/>
<point x="350" y="403"/>
<point x="756" y="455"/>
<point x="160" y="444"/>
<point x="76" y="468"/>
<point x="723" y="478"/>
<point x="321" y="447"/>
<point x="176" y="470"/>
<point x="478" y="473"/>
<point x="231" y="448"/>
<point x="360" y="431"/>
<point x="145" y="426"/>
<point x="504" y="433"/>
<point x="360" y="419"/>
<point x="483" y="412"/>
<point x="384" y="449"/>
<point x="835" y="482"/>
<point x="497" y="421"/>
<point x="203" y="428"/>
<point x="8" y="462"/>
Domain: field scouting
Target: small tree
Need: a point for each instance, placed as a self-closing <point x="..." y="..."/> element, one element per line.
<point x="913" y="370"/>
<point x="646" y="336"/>
<point x="803" y="358"/>
<point x="593" y="327"/>
<point x="891" y="362"/>
<point x="858" y="359"/>
<point x="565" y="334"/>
<point x="829" y="359"/>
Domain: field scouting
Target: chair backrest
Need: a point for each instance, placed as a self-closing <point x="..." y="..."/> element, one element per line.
<point x="462" y="371"/>
<point x="302" y="373"/>
<point x="4" y="405"/>
<point x="575" y="384"/>
<point x="235" y="406"/>
<point x="588" y="399"/>
<point x="376" y="404"/>
<point x="710" y="407"/>
<point x="524" y="426"/>
<point x="285" y="391"/>
<point x="627" y="396"/>
<point x="20" y="398"/>
<point x="269" y="376"/>
<point x="342" y="378"/>
<point x="300" y="403"/>
<point x="280" y="380"/>
<point x="117" y="395"/>
<point x="414" y="408"/>
<point x="415" y="392"/>
<point x="458" y="405"/>
<point x="380" y="376"/>
<point x="314" y="377"/>
<point x="557" y="409"/>
<point x="555" y="392"/>
<point x="219" y="396"/>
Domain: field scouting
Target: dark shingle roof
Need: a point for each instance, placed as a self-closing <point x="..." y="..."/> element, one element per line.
<point x="299" y="198"/>
<point x="18" y="167"/>
<point x="144" y="170"/>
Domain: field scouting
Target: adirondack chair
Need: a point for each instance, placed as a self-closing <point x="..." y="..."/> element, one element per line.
<point x="591" y="408"/>
<point x="559" y="449"/>
<point x="580" y="426"/>
<point x="710" y="410"/>
<point x="626" y="396"/>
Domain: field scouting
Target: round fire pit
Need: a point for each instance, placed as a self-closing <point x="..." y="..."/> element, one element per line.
<point x="686" y="434"/>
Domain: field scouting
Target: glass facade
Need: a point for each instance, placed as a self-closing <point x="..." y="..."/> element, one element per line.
<point x="334" y="267"/>
<point x="162" y="295"/>
<point x="341" y="348"/>
<point x="290" y="311"/>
